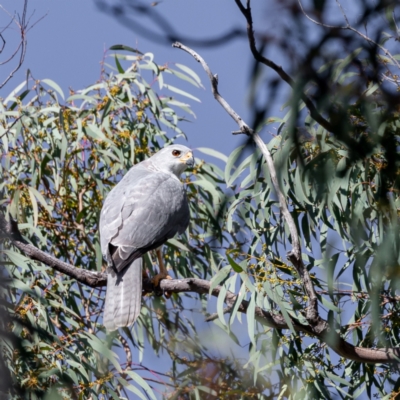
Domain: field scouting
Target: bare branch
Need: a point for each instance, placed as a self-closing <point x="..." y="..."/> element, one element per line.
<point x="295" y="254"/>
<point x="11" y="126"/>
<point x="22" y="23"/>
<point x="317" y="22"/>
<point x="244" y="128"/>
<point x="22" y="45"/>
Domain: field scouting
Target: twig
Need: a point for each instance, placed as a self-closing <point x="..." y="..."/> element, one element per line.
<point x="22" y="45"/>
<point x="23" y="25"/>
<point x="295" y="254"/>
<point x="10" y="127"/>
<point x="128" y="354"/>
<point x="214" y="316"/>
<point x="350" y="28"/>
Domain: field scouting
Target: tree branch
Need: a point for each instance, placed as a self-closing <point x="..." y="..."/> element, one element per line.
<point x="318" y="327"/>
<point x="350" y="28"/>
<point x="295" y="254"/>
<point x="22" y="23"/>
<point x="132" y="15"/>
<point x="21" y="46"/>
<point x="246" y="11"/>
<point x="277" y="321"/>
<point x="9" y="230"/>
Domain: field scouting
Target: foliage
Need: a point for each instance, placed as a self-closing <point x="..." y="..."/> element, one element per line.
<point x="61" y="157"/>
<point x="58" y="163"/>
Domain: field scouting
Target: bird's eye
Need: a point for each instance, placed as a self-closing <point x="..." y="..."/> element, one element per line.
<point x="176" y="153"/>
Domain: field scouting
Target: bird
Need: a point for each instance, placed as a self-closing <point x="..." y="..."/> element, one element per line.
<point x="145" y="209"/>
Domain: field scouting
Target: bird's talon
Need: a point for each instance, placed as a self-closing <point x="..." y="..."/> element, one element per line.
<point x="156" y="279"/>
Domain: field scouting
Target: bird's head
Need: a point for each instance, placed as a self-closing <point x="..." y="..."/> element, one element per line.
<point x="175" y="158"/>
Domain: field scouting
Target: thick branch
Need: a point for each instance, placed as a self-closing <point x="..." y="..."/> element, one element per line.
<point x="277" y="321"/>
<point x="294" y="255"/>
<point x="9" y="230"/>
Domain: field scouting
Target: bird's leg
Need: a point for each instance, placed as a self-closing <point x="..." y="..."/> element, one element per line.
<point x="163" y="271"/>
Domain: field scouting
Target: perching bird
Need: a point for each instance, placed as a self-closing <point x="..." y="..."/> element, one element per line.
<point x="145" y="209"/>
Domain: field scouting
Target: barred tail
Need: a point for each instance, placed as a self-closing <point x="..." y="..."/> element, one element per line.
<point x="123" y="297"/>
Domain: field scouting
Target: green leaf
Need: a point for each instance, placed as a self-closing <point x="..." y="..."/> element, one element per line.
<point x="54" y="86"/>
<point x="190" y="72"/>
<point x="238" y="301"/>
<point x="281" y="305"/>
<point x="251" y="318"/>
<point x="336" y="378"/>
<point x="126" y="48"/>
<point x="102" y="349"/>
<point x="231" y="162"/>
<point x="118" y="64"/>
<point x="176" y="243"/>
<point x="16" y="258"/>
<point x="236" y="267"/>
<point x="209" y="187"/>
<point x="131" y="388"/>
<point x="219" y="277"/>
<point x="181" y="92"/>
<point x="142" y="383"/>
<point x="12" y="95"/>
<point x="34" y="207"/>
<point x="207" y="390"/>
<point x="221" y="302"/>
<point x="213" y="153"/>
<point x="34" y="193"/>
<point x="79" y="367"/>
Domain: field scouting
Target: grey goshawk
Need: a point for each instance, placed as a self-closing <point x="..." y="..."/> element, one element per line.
<point x="145" y="209"/>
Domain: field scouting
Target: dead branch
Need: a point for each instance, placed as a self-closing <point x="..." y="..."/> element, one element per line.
<point x="295" y="254"/>
<point x="22" y="22"/>
<point x="21" y="48"/>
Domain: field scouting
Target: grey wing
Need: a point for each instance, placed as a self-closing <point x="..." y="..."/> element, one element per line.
<point x="142" y="212"/>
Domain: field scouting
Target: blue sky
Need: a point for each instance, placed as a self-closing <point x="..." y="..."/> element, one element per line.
<point x="68" y="44"/>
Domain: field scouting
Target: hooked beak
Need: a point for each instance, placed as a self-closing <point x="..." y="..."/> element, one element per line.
<point x="187" y="159"/>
